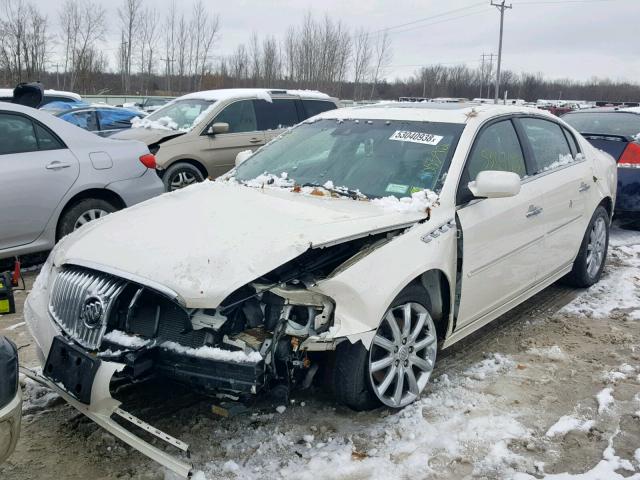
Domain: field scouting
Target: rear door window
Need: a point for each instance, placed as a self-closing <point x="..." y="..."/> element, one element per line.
<point x="240" y="116"/>
<point x="548" y="144"/>
<point x="314" y="107"/>
<point x="17" y="133"/>
<point x="280" y="113"/>
<point x="46" y="139"/>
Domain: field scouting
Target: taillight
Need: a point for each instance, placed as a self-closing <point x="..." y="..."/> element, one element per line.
<point x="148" y="160"/>
<point x="630" y="158"/>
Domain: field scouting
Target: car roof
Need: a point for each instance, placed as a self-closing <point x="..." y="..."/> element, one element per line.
<point x="258" y="93"/>
<point x="607" y="110"/>
<point x="430" y="111"/>
<point x="8" y="92"/>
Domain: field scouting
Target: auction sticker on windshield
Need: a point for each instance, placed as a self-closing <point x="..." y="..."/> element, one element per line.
<point x="416" y="137"/>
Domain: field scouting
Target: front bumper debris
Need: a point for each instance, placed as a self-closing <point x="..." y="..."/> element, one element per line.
<point x="101" y="408"/>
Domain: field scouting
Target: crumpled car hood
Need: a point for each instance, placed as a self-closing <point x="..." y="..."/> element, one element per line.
<point x="147" y="135"/>
<point x="205" y="241"/>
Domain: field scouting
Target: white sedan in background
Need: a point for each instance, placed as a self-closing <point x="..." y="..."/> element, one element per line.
<point x="361" y="241"/>
<point x="56" y="177"/>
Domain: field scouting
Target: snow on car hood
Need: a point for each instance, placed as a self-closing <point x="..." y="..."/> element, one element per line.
<point x="205" y="241"/>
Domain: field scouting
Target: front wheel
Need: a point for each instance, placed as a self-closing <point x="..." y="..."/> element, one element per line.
<point x="590" y="261"/>
<point x="181" y="175"/>
<point x="399" y="362"/>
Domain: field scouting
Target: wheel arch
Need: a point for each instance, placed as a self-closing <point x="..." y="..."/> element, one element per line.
<point x="607" y="203"/>
<point x="99" y="193"/>
<point x="437" y="287"/>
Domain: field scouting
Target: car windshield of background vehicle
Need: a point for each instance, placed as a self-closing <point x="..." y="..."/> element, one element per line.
<point x="376" y="157"/>
<point x="605" y="123"/>
<point x="178" y="115"/>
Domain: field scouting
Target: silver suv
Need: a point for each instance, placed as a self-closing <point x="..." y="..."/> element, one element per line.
<point x="199" y="135"/>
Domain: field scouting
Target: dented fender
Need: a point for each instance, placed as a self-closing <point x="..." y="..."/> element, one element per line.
<point x="363" y="292"/>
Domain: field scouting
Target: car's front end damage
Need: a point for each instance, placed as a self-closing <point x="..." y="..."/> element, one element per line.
<point x="97" y="325"/>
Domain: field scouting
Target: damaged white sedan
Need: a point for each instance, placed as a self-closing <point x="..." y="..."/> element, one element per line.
<point x="360" y="242"/>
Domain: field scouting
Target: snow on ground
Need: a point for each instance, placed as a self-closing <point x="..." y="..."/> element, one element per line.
<point x="618" y="292"/>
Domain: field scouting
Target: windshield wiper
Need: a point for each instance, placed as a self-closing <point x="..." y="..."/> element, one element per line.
<point x="342" y="191"/>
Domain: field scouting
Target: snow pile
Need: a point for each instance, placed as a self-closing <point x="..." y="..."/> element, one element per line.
<point x="37" y="397"/>
<point x="125" y="340"/>
<point x="213" y="353"/>
<point x="568" y="423"/>
<point x="270" y="180"/>
<point x="619" y="292"/>
<point x="621" y="373"/>
<point x="163" y="123"/>
<point x="605" y="399"/>
<point x="552" y="353"/>
<point x="421" y="201"/>
<point x="455" y="421"/>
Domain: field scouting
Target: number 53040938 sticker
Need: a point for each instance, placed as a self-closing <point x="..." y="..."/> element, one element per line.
<point x="416" y="137"/>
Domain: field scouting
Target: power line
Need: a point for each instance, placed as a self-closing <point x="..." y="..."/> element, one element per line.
<point x="431" y="17"/>
<point x="437" y="22"/>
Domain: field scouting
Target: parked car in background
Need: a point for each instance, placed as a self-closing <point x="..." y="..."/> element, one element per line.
<point x="151" y="104"/>
<point x="199" y="135"/>
<point x="102" y="120"/>
<point x="69" y="98"/>
<point x="360" y="243"/>
<point x="56" y="177"/>
<point x="617" y="132"/>
<point x="10" y="398"/>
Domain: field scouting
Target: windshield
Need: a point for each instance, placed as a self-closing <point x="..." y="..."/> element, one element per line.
<point x="605" y="123"/>
<point x="177" y="115"/>
<point x="378" y="158"/>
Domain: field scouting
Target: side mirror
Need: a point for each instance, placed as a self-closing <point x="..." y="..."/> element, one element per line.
<point x="242" y="156"/>
<point x="495" y="184"/>
<point x="219" y="127"/>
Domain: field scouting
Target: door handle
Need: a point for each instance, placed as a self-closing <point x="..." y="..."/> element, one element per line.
<point x="533" y="211"/>
<point x="255" y="140"/>
<point x="57" y="165"/>
<point x="584" y="187"/>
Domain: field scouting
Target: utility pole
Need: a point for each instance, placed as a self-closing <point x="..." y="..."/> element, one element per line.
<point x="500" y="6"/>
<point x="482" y="74"/>
<point x="488" y="75"/>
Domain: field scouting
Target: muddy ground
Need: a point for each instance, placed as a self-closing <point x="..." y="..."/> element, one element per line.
<point x="487" y="414"/>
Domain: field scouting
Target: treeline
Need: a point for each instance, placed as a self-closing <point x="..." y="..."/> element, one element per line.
<point x="176" y="51"/>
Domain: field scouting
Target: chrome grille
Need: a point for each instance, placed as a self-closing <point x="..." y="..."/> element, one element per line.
<point x="80" y="302"/>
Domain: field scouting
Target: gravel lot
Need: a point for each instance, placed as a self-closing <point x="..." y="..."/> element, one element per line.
<point x="550" y="387"/>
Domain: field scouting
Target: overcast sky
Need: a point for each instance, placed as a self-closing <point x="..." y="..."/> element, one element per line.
<point x="560" y="38"/>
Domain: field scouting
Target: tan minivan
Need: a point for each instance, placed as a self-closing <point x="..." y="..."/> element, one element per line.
<point x="199" y="134"/>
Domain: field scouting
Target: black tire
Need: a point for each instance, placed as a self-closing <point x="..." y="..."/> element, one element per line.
<point x="180" y="175"/>
<point x="580" y="276"/>
<point x="70" y="218"/>
<point x="351" y="383"/>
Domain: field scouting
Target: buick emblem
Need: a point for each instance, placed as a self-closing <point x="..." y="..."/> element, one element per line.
<point x="91" y="312"/>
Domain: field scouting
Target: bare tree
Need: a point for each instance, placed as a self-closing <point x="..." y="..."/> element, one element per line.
<point x="382" y="59"/>
<point x="148" y="41"/>
<point x="239" y="65"/>
<point x="361" y="61"/>
<point x="129" y="15"/>
<point x="82" y="27"/>
<point x="271" y="63"/>
<point x="24" y="41"/>
<point x="170" y="43"/>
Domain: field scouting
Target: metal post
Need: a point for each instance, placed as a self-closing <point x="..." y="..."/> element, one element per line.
<point x="501" y="6"/>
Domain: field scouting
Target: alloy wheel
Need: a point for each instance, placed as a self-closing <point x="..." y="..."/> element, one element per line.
<point x="89" y="216"/>
<point x="181" y="179"/>
<point x="403" y="354"/>
<point x="596" y="246"/>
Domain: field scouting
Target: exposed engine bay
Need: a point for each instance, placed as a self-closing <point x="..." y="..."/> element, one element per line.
<point x="254" y="340"/>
